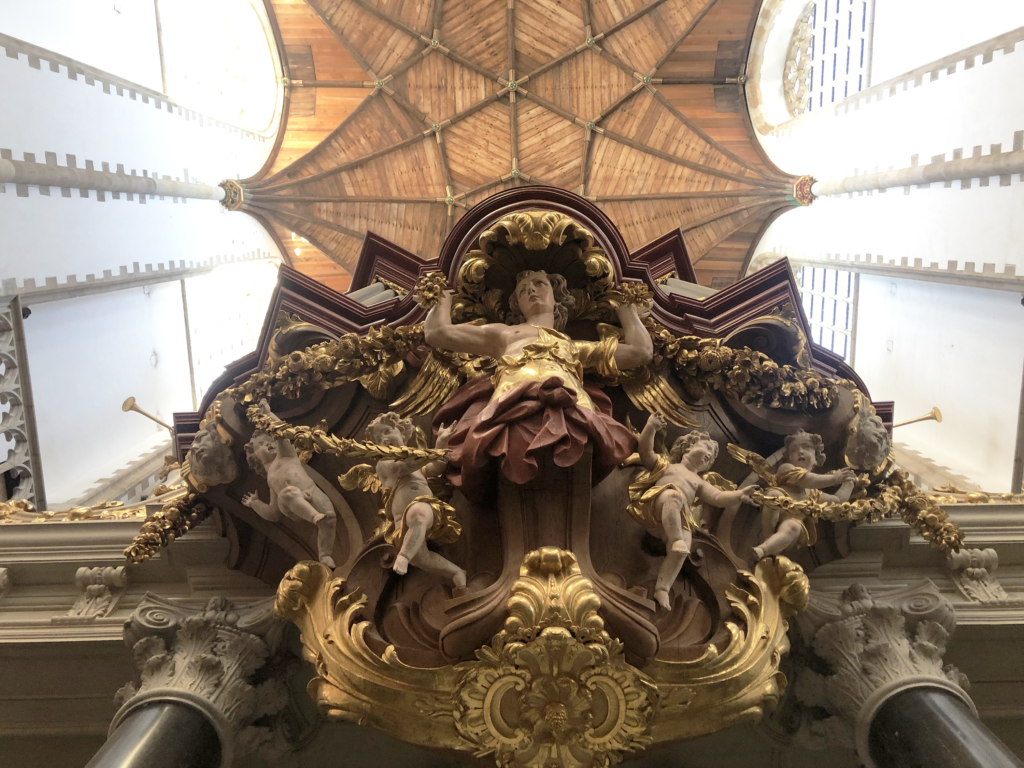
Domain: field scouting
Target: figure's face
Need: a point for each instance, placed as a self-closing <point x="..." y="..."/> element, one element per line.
<point x="802" y="454"/>
<point x="210" y="459"/>
<point x="265" y="450"/>
<point x="535" y="295"/>
<point x="390" y="436"/>
<point x="203" y="446"/>
<point x="701" y="456"/>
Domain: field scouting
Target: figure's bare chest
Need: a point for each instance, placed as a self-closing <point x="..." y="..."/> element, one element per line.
<point x="682" y="478"/>
<point x="517" y="337"/>
<point x="283" y="472"/>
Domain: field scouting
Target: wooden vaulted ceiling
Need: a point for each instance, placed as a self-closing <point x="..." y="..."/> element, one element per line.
<point x="409" y="113"/>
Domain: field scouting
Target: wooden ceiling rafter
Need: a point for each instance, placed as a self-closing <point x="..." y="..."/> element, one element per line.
<point x="577" y="101"/>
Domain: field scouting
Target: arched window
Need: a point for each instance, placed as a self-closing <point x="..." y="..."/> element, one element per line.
<point x="829" y="297"/>
<point x="829" y="55"/>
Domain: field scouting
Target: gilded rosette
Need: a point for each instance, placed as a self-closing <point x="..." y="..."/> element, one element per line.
<point x="429" y="289"/>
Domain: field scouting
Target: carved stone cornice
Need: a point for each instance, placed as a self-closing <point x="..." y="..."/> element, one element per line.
<point x="100" y="589"/>
<point x="874" y="646"/>
<point x="972" y="571"/>
<point x="207" y="658"/>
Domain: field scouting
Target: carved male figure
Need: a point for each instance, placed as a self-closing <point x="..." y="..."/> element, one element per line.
<point x="663" y="499"/>
<point x="293" y="493"/>
<point x="802" y="453"/>
<point x="536" y="398"/>
<point x="415" y="512"/>
<point x="210" y="459"/>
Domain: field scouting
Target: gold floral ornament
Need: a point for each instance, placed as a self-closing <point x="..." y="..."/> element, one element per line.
<point x="745" y="374"/>
<point x="22" y="511"/>
<point x="175" y="519"/>
<point x="952" y="494"/>
<point x="895" y="495"/>
<point x="553" y="688"/>
<point x="429" y="289"/>
<point x="310" y="440"/>
<point x="636" y="293"/>
<point x="333" y="364"/>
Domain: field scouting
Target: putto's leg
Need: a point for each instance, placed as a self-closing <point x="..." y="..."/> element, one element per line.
<point x="442" y="566"/>
<point x="667" y="575"/>
<point x="325" y="539"/>
<point x="326" y="527"/>
<point x="670" y="506"/>
<point x="418" y="519"/>
<point x="294" y="503"/>
<point x="786" y="536"/>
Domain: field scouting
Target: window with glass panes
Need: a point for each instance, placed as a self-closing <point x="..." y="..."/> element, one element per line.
<point x="840" y="51"/>
<point x="829" y="298"/>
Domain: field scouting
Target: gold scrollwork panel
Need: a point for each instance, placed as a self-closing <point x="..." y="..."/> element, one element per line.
<point x="552" y="688"/>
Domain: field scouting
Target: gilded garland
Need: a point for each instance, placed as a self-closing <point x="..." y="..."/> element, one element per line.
<point x="492" y="631"/>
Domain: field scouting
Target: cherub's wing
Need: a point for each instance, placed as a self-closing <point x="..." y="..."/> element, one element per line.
<point x="433" y="385"/>
<point x="721" y="483"/>
<point x="755" y="461"/>
<point x="649" y="389"/>
<point x="362" y="477"/>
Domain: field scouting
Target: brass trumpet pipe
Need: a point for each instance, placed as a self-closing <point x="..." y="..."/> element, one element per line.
<point x="129" y="405"/>
<point x="934" y="415"/>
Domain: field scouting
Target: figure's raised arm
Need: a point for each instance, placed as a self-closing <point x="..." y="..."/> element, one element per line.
<point x="284" y="447"/>
<point x="439" y="332"/>
<point x="266" y="511"/>
<point x="827" y="479"/>
<point x="720" y="498"/>
<point x="636" y="348"/>
<point x="645" y="445"/>
<point x="438" y="466"/>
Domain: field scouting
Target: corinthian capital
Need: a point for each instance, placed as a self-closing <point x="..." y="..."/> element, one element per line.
<point x="874" y="646"/>
<point x="211" y="660"/>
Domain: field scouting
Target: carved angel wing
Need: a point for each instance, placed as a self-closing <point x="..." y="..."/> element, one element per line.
<point x="362" y="477"/>
<point x="754" y="461"/>
<point x="433" y="385"/>
<point x="715" y="479"/>
<point x="649" y="389"/>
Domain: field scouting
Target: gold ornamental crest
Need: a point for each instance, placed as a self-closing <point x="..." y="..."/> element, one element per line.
<point x="532" y="240"/>
<point x="553" y="687"/>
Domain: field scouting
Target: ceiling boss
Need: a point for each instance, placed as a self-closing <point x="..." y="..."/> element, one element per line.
<point x="516" y="571"/>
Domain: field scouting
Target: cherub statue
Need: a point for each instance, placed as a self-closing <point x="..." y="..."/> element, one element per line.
<point x="292" y="491"/>
<point x="662" y="498"/>
<point x="412" y="511"/>
<point x="794" y="480"/>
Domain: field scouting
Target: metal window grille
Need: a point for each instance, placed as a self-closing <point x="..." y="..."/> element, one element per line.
<point x="841" y="50"/>
<point x="829" y="298"/>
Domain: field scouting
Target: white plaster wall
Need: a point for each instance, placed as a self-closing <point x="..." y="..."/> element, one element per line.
<point x="961" y="349"/>
<point x="937" y="225"/>
<point x="59" y="236"/>
<point x="226" y="312"/>
<point x="117" y="36"/>
<point x="955" y="347"/>
<point x="909" y="33"/>
<point x="87" y="355"/>
<point x="111" y="336"/>
<point x="983" y="105"/>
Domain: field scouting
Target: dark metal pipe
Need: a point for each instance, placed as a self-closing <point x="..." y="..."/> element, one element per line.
<point x="163" y="734"/>
<point x="932" y="728"/>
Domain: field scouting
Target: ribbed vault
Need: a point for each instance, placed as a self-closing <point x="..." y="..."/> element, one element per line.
<point x="465" y="98"/>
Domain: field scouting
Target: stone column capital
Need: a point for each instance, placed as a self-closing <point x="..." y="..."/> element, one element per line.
<point x="875" y="644"/>
<point x="208" y="658"/>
